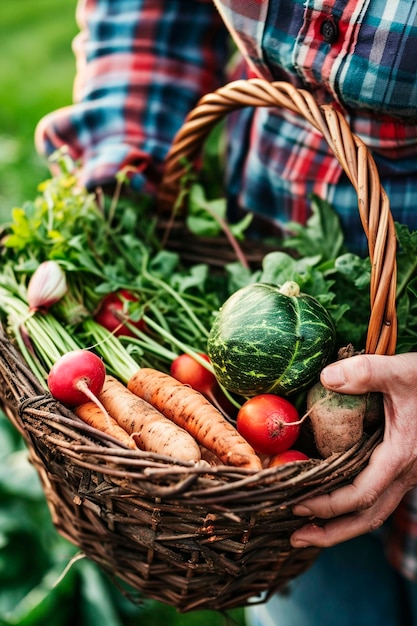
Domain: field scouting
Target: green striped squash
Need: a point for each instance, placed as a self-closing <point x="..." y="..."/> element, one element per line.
<point x="267" y="339"/>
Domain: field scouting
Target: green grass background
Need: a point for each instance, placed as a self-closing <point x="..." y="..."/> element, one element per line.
<point x="37" y="70"/>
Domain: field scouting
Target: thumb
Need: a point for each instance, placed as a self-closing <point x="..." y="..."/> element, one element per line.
<point x="370" y="372"/>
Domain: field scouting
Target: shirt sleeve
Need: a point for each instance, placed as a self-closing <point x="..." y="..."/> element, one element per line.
<point x="141" y="65"/>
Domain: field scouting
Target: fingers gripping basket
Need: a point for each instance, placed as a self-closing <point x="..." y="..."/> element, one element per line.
<point x="176" y="532"/>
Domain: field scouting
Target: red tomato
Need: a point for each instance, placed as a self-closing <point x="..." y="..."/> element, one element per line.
<point x="188" y="371"/>
<point x="288" y="456"/>
<point x="111" y="313"/>
<point x="264" y="421"/>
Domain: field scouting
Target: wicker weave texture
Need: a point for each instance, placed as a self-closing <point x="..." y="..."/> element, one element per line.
<point x="190" y="536"/>
<point x="194" y="536"/>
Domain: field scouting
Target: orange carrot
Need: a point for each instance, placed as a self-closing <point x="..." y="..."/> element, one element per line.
<point x="94" y="416"/>
<point x="192" y="411"/>
<point x="151" y="430"/>
<point x="209" y="457"/>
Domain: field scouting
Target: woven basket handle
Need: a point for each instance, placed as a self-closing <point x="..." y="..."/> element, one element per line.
<point x="354" y="158"/>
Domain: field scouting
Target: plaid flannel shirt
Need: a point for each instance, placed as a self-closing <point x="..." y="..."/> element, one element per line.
<point x="142" y="64"/>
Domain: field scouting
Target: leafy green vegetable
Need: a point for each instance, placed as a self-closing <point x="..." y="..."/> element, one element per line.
<point x="207" y="217"/>
<point x="113" y="245"/>
<point x="322" y="234"/>
<point x="318" y="262"/>
<point x="406" y="289"/>
<point x="104" y="248"/>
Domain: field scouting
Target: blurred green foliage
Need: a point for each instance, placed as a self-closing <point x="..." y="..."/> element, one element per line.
<point x="41" y="579"/>
<point x="36" y="77"/>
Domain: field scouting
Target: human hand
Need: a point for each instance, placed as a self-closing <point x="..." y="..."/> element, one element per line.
<point x="365" y="504"/>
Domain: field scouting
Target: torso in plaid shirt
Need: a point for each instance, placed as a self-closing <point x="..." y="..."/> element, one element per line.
<point x="142" y="64"/>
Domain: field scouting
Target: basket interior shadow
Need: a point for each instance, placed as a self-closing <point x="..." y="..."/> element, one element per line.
<point x="176" y="532"/>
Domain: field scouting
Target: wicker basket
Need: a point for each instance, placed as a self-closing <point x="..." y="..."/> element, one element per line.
<point x="175" y="532"/>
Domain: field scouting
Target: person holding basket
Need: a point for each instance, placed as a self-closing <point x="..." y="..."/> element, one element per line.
<point x="141" y="67"/>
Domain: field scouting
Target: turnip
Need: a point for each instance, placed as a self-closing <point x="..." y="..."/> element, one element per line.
<point x="338" y="420"/>
<point x="76" y="377"/>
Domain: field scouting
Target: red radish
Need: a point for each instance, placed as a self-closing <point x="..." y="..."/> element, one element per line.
<point x="190" y="372"/>
<point x="76" y="377"/>
<point x="265" y="421"/>
<point x="113" y="311"/>
<point x="288" y="456"/>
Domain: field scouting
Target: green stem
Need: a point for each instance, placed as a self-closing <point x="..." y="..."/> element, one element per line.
<point x="114" y="201"/>
<point x="115" y="356"/>
<point x="183" y="304"/>
<point x="49" y="339"/>
<point x="32" y="361"/>
<point x="166" y="335"/>
<point x="229" y="235"/>
<point x="143" y="340"/>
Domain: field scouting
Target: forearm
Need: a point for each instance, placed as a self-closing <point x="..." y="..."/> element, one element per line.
<point x="141" y="66"/>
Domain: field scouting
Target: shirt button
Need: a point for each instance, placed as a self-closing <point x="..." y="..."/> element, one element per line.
<point x="329" y="30"/>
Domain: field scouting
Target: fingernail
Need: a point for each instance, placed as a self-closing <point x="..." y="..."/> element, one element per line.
<point x="301" y="509"/>
<point x="333" y="376"/>
<point x="299" y="543"/>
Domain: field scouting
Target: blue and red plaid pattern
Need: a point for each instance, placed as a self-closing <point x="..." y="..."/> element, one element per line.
<point x="143" y="64"/>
